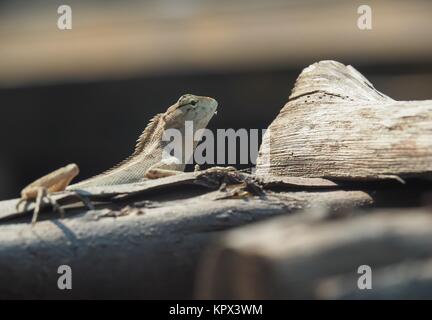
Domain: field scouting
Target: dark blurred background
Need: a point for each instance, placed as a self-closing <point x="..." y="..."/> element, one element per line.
<point x="84" y="95"/>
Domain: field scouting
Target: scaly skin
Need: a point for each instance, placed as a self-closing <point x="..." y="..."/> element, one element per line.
<point x="147" y="160"/>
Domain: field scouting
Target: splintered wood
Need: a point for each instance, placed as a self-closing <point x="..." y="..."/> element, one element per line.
<point x="337" y="125"/>
<point x="143" y="235"/>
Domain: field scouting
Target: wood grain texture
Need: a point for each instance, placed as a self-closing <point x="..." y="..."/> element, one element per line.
<point x="336" y="125"/>
<point x="145" y="247"/>
<point x="122" y="192"/>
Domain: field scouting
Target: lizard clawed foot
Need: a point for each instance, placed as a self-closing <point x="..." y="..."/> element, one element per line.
<point x="26" y="204"/>
<point x="40" y="189"/>
<point x="42" y="194"/>
<point x="85" y="201"/>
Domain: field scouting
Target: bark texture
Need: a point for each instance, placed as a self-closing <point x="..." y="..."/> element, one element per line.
<point x="144" y="240"/>
<point x="151" y="239"/>
<point x="336" y="125"/>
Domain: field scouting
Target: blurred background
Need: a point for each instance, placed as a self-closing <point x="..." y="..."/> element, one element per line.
<point x="84" y="95"/>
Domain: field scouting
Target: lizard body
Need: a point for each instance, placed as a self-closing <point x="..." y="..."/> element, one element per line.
<point x="147" y="161"/>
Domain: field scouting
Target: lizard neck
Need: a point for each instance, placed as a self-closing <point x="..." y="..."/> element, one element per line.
<point x="148" y="150"/>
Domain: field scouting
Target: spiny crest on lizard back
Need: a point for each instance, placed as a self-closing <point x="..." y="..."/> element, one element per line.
<point x="143" y="140"/>
<point x="174" y="117"/>
<point x="146" y="136"/>
<point x="149" y="131"/>
<point x="150" y="144"/>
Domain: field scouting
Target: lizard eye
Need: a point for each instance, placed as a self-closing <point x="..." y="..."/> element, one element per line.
<point x="193" y="102"/>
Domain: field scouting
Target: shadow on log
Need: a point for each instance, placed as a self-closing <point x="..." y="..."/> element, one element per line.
<point x="146" y="245"/>
<point x="145" y="240"/>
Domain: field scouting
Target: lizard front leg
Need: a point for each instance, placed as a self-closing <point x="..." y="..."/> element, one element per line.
<point x="41" y="194"/>
<point x="161" y="173"/>
<point x="165" y="168"/>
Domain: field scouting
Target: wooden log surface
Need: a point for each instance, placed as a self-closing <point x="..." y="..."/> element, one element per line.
<point x="336" y="125"/>
<point x="204" y="180"/>
<point x="145" y="246"/>
<point x="313" y="257"/>
<point x="145" y="240"/>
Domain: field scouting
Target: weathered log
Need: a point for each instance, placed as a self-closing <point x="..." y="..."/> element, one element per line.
<point x="9" y="209"/>
<point x="145" y="240"/>
<point x="309" y="256"/>
<point x="205" y="180"/>
<point x="336" y="125"/>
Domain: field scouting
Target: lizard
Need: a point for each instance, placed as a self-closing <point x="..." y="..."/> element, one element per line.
<point x="148" y="161"/>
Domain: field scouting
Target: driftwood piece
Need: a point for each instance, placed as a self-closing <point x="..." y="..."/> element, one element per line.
<point x="8" y="208"/>
<point x="145" y="240"/>
<point x="146" y="246"/>
<point x="205" y="180"/>
<point x="311" y="256"/>
<point x="336" y="125"/>
<point x="269" y="181"/>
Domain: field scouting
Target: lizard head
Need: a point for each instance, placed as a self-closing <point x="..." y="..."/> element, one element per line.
<point x="190" y="108"/>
